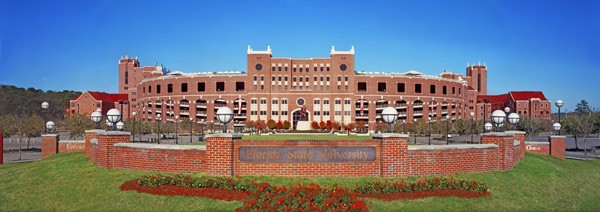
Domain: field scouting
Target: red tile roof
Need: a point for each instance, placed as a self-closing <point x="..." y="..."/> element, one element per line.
<point x="106" y="97"/>
<point x="493" y="98"/>
<point x="526" y="95"/>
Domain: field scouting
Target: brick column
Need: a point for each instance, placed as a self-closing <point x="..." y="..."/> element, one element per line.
<point x="393" y="154"/>
<point x="219" y="153"/>
<point x="49" y="145"/>
<point x="557" y="146"/>
<point x="519" y="136"/>
<point x="106" y="146"/>
<point x="89" y="135"/>
<point x="505" y="142"/>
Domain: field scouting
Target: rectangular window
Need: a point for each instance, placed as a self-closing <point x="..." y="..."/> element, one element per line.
<point x="325" y="101"/>
<point x="201" y="87"/>
<point x="220" y="86"/>
<point x="239" y="86"/>
<point x="284" y="113"/>
<point x="169" y="88"/>
<point x="444" y="90"/>
<point x="401" y="87"/>
<point x="263" y="113"/>
<point x="347" y="101"/>
<point x="417" y="88"/>
<point x="338" y="101"/>
<point x="381" y="86"/>
<point x="253" y="112"/>
<point x="144" y="90"/>
<point x="284" y="101"/>
<point x="362" y="86"/>
<point x="149" y="89"/>
<point x="338" y="113"/>
<point x="184" y="88"/>
<point x="274" y="113"/>
<point x="263" y="101"/>
<point x="432" y="89"/>
<point x="157" y="88"/>
<point x="325" y="113"/>
<point x="453" y="90"/>
<point x="317" y="102"/>
<point x="253" y="101"/>
<point x="317" y="113"/>
<point x="274" y="101"/>
<point x="346" y="113"/>
<point x="479" y="82"/>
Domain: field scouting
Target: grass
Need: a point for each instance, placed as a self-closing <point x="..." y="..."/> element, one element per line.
<point x="69" y="182"/>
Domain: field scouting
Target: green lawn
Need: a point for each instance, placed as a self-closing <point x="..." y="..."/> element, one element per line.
<point x="69" y="182"/>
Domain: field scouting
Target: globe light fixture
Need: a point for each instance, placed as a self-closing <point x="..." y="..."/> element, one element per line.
<point x="113" y="116"/>
<point x="50" y="126"/>
<point x="498" y="117"/>
<point x="224" y="115"/>
<point x="45" y="105"/>
<point x="108" y="123"/>
<point x="513" y="119"/>
<point x="487" y="126"/>
<point x="389" y="116"/>
<point x="96" y="118"/>
<point x="556" y="127"/>
<point x="507" y="110"/>
<point x="559" y="103"/>
<point x="120" y="125"/>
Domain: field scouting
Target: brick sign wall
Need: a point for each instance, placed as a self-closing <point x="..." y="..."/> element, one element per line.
<point x="162" y="158"/>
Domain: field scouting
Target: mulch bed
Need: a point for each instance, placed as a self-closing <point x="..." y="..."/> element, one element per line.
<point x="171" y="190"/>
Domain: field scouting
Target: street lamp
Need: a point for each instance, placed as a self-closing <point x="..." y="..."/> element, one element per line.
<point x="498" y="117"/>
<point x="49" y="126"/>
<point x="429" y="129"/>
<point x="415" y="124"/>
<point x="113" y="116"/>
<point x="472" y="114"/>
<point x="96" y="118"/>
<point x="45" y="106"/>
<point x="556" y="127"/>
<point x="133" y="114"/>
<point x="191" y="128"/>
<point x="487" y="127"/>
<point x="389" y="116"/>
<point x="559" y="103"/>
<point x="447" y="129"/>
<point x="158" y="126"/>
<point x="176" y="138"/>
<point x="224" y="115"/>
<point x="120" y="125"/>
<point x="513" y="119"/>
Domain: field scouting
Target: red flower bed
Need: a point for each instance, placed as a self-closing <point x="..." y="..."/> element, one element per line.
<point x="172" y="190"/>
<point x="425" y="194"/>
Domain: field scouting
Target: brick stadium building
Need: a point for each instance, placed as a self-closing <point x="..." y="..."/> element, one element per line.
<point x="313" y="89"/>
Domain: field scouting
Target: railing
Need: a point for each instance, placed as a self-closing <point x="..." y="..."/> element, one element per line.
<point x="418" y="104"/>
<point x="200" y="104"/>
<point x="401" y="105"/>
<point x="184" y="104"/>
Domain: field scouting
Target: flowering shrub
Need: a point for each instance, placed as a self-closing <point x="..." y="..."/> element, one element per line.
<point x="299" y="197"/>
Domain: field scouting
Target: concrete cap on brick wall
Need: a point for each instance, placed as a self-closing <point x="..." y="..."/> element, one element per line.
<point x="536" y="142"/>
<point x="224" y="135"/>
<point x="499" y="134"/>
<point x="94" y="141"/>
<point x="452" y="146"/>
<point x="49" y="135"/>
<point x="114" y="133"/>
<point x="94" y="130"/>
<point x="557" y="136"/>
<point x="161" y="146"/>
<point x="515" y="132"/>
<point x="390" y="135"/>
<point x="72" y="142"/>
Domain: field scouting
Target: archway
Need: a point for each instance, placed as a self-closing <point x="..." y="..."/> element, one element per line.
<point x="300" y="114"/>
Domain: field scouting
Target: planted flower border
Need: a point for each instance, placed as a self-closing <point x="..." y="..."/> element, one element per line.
<point x="266" y="197"/>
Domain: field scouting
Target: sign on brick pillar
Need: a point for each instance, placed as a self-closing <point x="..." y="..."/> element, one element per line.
<point x="219" y="153"/>
<point x="106" y="146"/>
<point x="49" y="145"/>
<point x="557" y="146"/>
<point x="393" y="154"/>
<point x="505" y="142"/>
<point x="519" y="136"/>
<point x="89" y="135"/>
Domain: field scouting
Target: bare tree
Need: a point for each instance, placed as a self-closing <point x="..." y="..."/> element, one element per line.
<point x="581" y="124"/>
<point x="532" y="126"/>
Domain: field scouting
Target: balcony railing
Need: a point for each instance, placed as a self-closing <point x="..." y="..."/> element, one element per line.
<point x="401" y="105"/>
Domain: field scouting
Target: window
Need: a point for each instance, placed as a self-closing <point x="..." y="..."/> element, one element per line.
<point x="279" y="78"/>
<point x="273" y="68"/>
<point x="274" y="101"/>
<point x="301" y="79"/>
<point x="274" y="113"/>
<point x="338" y="101"/>
<point x="381" y="86"/>
<point x="169" y="88"/>
<point x="263" y="112"/>
<point x="316" y="102"/>
<point x="262" y="78"/>
<point x="306" y="79"/>
<point x="284" y="101"/>
<point x="157" y="88"/>
<point x="326" y="101"/>
<point x="286" y="68"/>
<point x="346" y="113"/>
<point x="315" y="69"/>
<point x="254" y="113"/>
<point x="300" y="69"/>
<point x="444" y="90"/>
<point x="401" y="88"/>
<point x="339" y="78"/>
<point x="321" y="78"/>
<point x="149" y="89"/>
<point x="255" y="78"/>
<point x="327" y="78"/>
<point x="279" y="68"/>
<point x="327" y="68"/>
<point x="417" y="88"/>
<point x="317" y="113"/>
<point x="184" y="87"/>
<point x="325" y="113"/>
<point x="294" y="79"/>
<point x="263" y="101"/>
<point x="273" y="78"/>
<point x="253" y="101"/>
<point x="432" y="89"/>
<point x="346" y="78"/>
<point x="285" y="78"/>
<point x="239" y="86"/>
<point x="362" y="86"/>
<point x="284" y="113"/>
<point x="321" y="68"/>
<point x="347" y="101"/>
<point x="294" y="70"/>
<point x="144" y="90"/>
<point x="220" y="86"/>
<point x="338" y="113"/>
<point x="453" y="90"/>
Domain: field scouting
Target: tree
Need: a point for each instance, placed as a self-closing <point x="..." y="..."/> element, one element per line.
<point x="350" y="126"/>
<point x="581" y="124"/>
<point x="250" y="125"/>
<point x="260" y="125"/>
<point x="279" y="125"/>
<point x="360" y="125"/>
<point x="77" y="124"/>
<point x="35" y="127"/>
<point x="583" y="107"/>
<point x="322" y="125"/>
<point x="287" y="124"/>
<point x="314" y="125"/>
<point x="271" y="124"/>
<point x="6" y="122"/>
<point x="532" y="126"/>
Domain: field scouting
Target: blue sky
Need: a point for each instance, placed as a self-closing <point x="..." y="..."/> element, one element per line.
<point x="552" y="46"/>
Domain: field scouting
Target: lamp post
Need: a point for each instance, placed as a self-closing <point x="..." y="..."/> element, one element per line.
<point x="498" y="117"/>
<point x="113" y="116"/>
<point x="556" y="127"/>
<point x="472" y="114"/>
<point x="429" y="129"/>
<point x="513" y="119"/>
<point x="120" y="125"/>
<point x="96" y="118"/>
<point x="191" y="128"/>
<point x="45" y="106"/>
<point x="389" y="116"/>
<point x="176" y="138"/>
<point x="559" y="103"/>
<point x="158" y="126"/>
<point x="487" y="127"/>
<point x="447" y="129"/>
<point x="133" y="114"/>
<point x="224" y="115"/>
<point x="485" y="101"/>
<point x="49" y="126"/>
<point x="415" y="123"/>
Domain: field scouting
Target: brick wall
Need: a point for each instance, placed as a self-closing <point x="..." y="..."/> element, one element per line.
<point x="452" y="159"/>
<point x="106" y="142"/>
<point x="219" y="154"/>
<point x="160" y="158"/>
<point x="89" y="135"/>
<point x="71" y="146"/>
<point x="542" y="148"/>
<point x="49" y="145"/>
<point x="393" y="154"/>
<point x="94" y="150"/>
<point x="306" y="169"/>
<point x="557" y="146"/>
<point x="506" y="149"/>
<point x="519" y="136"/>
